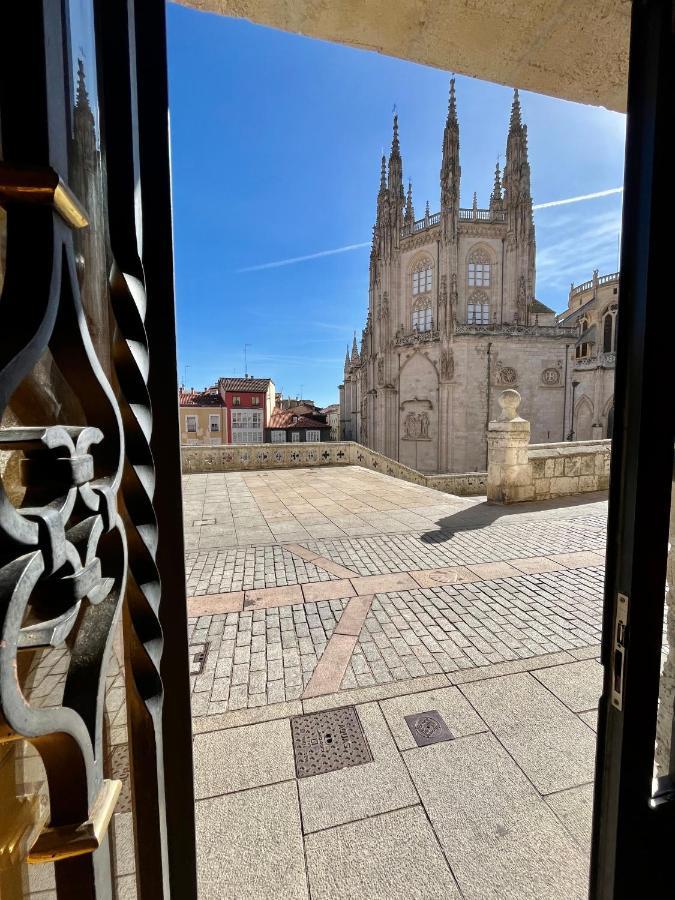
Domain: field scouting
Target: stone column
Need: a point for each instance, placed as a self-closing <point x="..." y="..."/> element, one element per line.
<point x="509" y="472"/>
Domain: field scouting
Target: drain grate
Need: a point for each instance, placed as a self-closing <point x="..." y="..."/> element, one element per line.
<point x="428" y="728"/>
<point x="329" y="740"/>
<point x="198" y="654"/>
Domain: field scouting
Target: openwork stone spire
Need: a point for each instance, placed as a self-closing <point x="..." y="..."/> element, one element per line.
<point x="409" y="217"/>
<point x="450" y="170"/>
<point x="496" y="199"/>
<point x="396" y="194"/>
<point x="355" y="350"/>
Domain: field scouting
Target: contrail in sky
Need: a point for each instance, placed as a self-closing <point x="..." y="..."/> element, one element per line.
<point x="578" y="199"/>
<point x="296" y="259"/>
<point x="348" y="247"/>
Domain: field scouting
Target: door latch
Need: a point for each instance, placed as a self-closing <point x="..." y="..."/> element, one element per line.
<point x="619" y="650"/>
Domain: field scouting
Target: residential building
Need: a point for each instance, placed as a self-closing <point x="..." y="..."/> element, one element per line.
<point x="332" y="414"/>
<point x="592" y="311"/>
<point x="453" y="318"/>
<point x="289" y="426"/>
<point x="202" y="416"/>
<point x="235" y="410"/>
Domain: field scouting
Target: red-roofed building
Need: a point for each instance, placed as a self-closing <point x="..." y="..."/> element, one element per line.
<point x="202" y="416"/>
<point x="290" y="426"/>
<point x="249" y="403"/>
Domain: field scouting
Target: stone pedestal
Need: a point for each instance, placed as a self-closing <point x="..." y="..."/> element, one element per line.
<point x="509" y="472"/>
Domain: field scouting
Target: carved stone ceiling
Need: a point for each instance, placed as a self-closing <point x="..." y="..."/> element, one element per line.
<point x="574" y="49"/>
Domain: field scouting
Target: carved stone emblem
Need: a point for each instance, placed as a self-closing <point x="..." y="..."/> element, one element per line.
<point x="550" y="376"/>
<point x="508" y="375"/>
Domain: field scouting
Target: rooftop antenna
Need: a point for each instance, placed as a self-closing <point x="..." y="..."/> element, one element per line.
<point x="246" y="346"/>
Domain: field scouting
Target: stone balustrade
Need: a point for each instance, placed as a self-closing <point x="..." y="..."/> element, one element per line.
<point x="248" y="457"/>
<point x="518" y="470"/>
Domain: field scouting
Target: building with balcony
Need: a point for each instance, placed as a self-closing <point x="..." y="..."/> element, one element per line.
<point x="235" y="410"/>
<point x="592" y="311"/>
<point x="453" y="318"/>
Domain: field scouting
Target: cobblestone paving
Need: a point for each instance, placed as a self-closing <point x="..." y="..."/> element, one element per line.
<point x="267" y="656"/>
<point x="237" y="569"/>
<point x="406" y="552"/>
<point x="259" y="657"/>
<point x="415" y="633"/>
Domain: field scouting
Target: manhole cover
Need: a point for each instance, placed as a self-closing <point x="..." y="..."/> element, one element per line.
<point x="329" y="740"/>
<point x="198" y="654"/>
<point x="428" y="728"/>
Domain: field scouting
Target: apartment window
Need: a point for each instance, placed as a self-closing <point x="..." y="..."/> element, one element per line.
<point x="478" y="313"/>
<point x="246" y="427"/>
<point x="255" y="401"/>
<point x="236" y="401"/>
<point x="295" y="436"/>
<point x="421" y="319"/>
<point x="278" y="436"/>
<point x="214" y="423"/>
<point x="313" y="435"/>
<point x="191" y="423"/>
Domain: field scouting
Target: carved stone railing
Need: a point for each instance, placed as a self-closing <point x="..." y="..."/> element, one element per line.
<point x="417" y="337"/>
<point x="587" y="285"/>
<point x="421" y="224"/>
<point x="601" y="361"/>
<point x="512" y="330"/>
<point x="482" y="215"/>
<point x="247" y="457"/>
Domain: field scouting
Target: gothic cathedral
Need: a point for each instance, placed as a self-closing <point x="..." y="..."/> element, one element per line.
<point x="453" y="319"/>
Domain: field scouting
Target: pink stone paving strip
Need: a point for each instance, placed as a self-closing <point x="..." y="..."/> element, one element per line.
<point x="490" y="570"/>
<point x="332" y="666"/>
<point x="352" y="619"/>
<point x="428" y="578"/>
<point x="319" y="561"/>
<point x="327" y="590"/>
<point x="579" y="560"/>
<point x="383" y="584"/>
<point x="211" y="604"/>
<point x="536" y="565"/>
<point x="277" y="596"/>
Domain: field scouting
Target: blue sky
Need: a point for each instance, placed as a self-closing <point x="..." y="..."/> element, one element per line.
<point x="276" y="141"/>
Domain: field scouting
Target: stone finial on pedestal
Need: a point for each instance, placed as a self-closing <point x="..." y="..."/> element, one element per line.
<point x="509" y="471"/>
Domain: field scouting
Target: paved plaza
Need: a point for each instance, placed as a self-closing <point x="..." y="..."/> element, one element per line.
<point x="321" y="588"/>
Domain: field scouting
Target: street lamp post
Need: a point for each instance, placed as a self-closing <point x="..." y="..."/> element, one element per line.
<point x="570" y="436"/>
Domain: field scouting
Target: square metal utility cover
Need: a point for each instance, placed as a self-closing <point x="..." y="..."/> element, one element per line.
<point x="198" y="653"/>
<point x="327" y="741"/>
<point x="428" y="728"/>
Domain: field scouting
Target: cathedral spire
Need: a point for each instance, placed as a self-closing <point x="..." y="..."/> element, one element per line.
<point x="355" y="350"/>
<point x="496" y="196"/>
<point x="395" y="184"/>
<point x="409" y="217"/>
<point x="383" y="174"/>
<point x="515" y="111"/>
<point x="450" y="170"/>
<point x="347" y="358"/>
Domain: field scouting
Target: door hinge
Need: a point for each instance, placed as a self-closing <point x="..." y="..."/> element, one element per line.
<point x="619" y="650"/>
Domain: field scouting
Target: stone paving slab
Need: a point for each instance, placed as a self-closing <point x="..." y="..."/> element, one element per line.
<point x="577" y="685"/>
<point x="550" y="744"/>
<point x="250" y="845"/>
<point x="574" y="808"/>
<point x="394" y="856"/>
<point x="501" y="839"/>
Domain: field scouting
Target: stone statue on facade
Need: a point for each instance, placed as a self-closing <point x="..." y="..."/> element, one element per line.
<point x="447" y="365"/>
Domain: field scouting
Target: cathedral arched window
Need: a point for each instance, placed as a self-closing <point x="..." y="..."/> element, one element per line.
<point x="478" y="309"/>
<point x="422" y="277"/>
<point x="421" y="316"/>
<point x="607" y="333"/>
<point x="479" y="269"/>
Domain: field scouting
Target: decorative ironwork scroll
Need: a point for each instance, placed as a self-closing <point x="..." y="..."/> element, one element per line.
<point x="78" y="530"/>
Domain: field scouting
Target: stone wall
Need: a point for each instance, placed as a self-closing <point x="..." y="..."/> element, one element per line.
<point x="518" y="470"/>
<point x="246" y="457"/>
